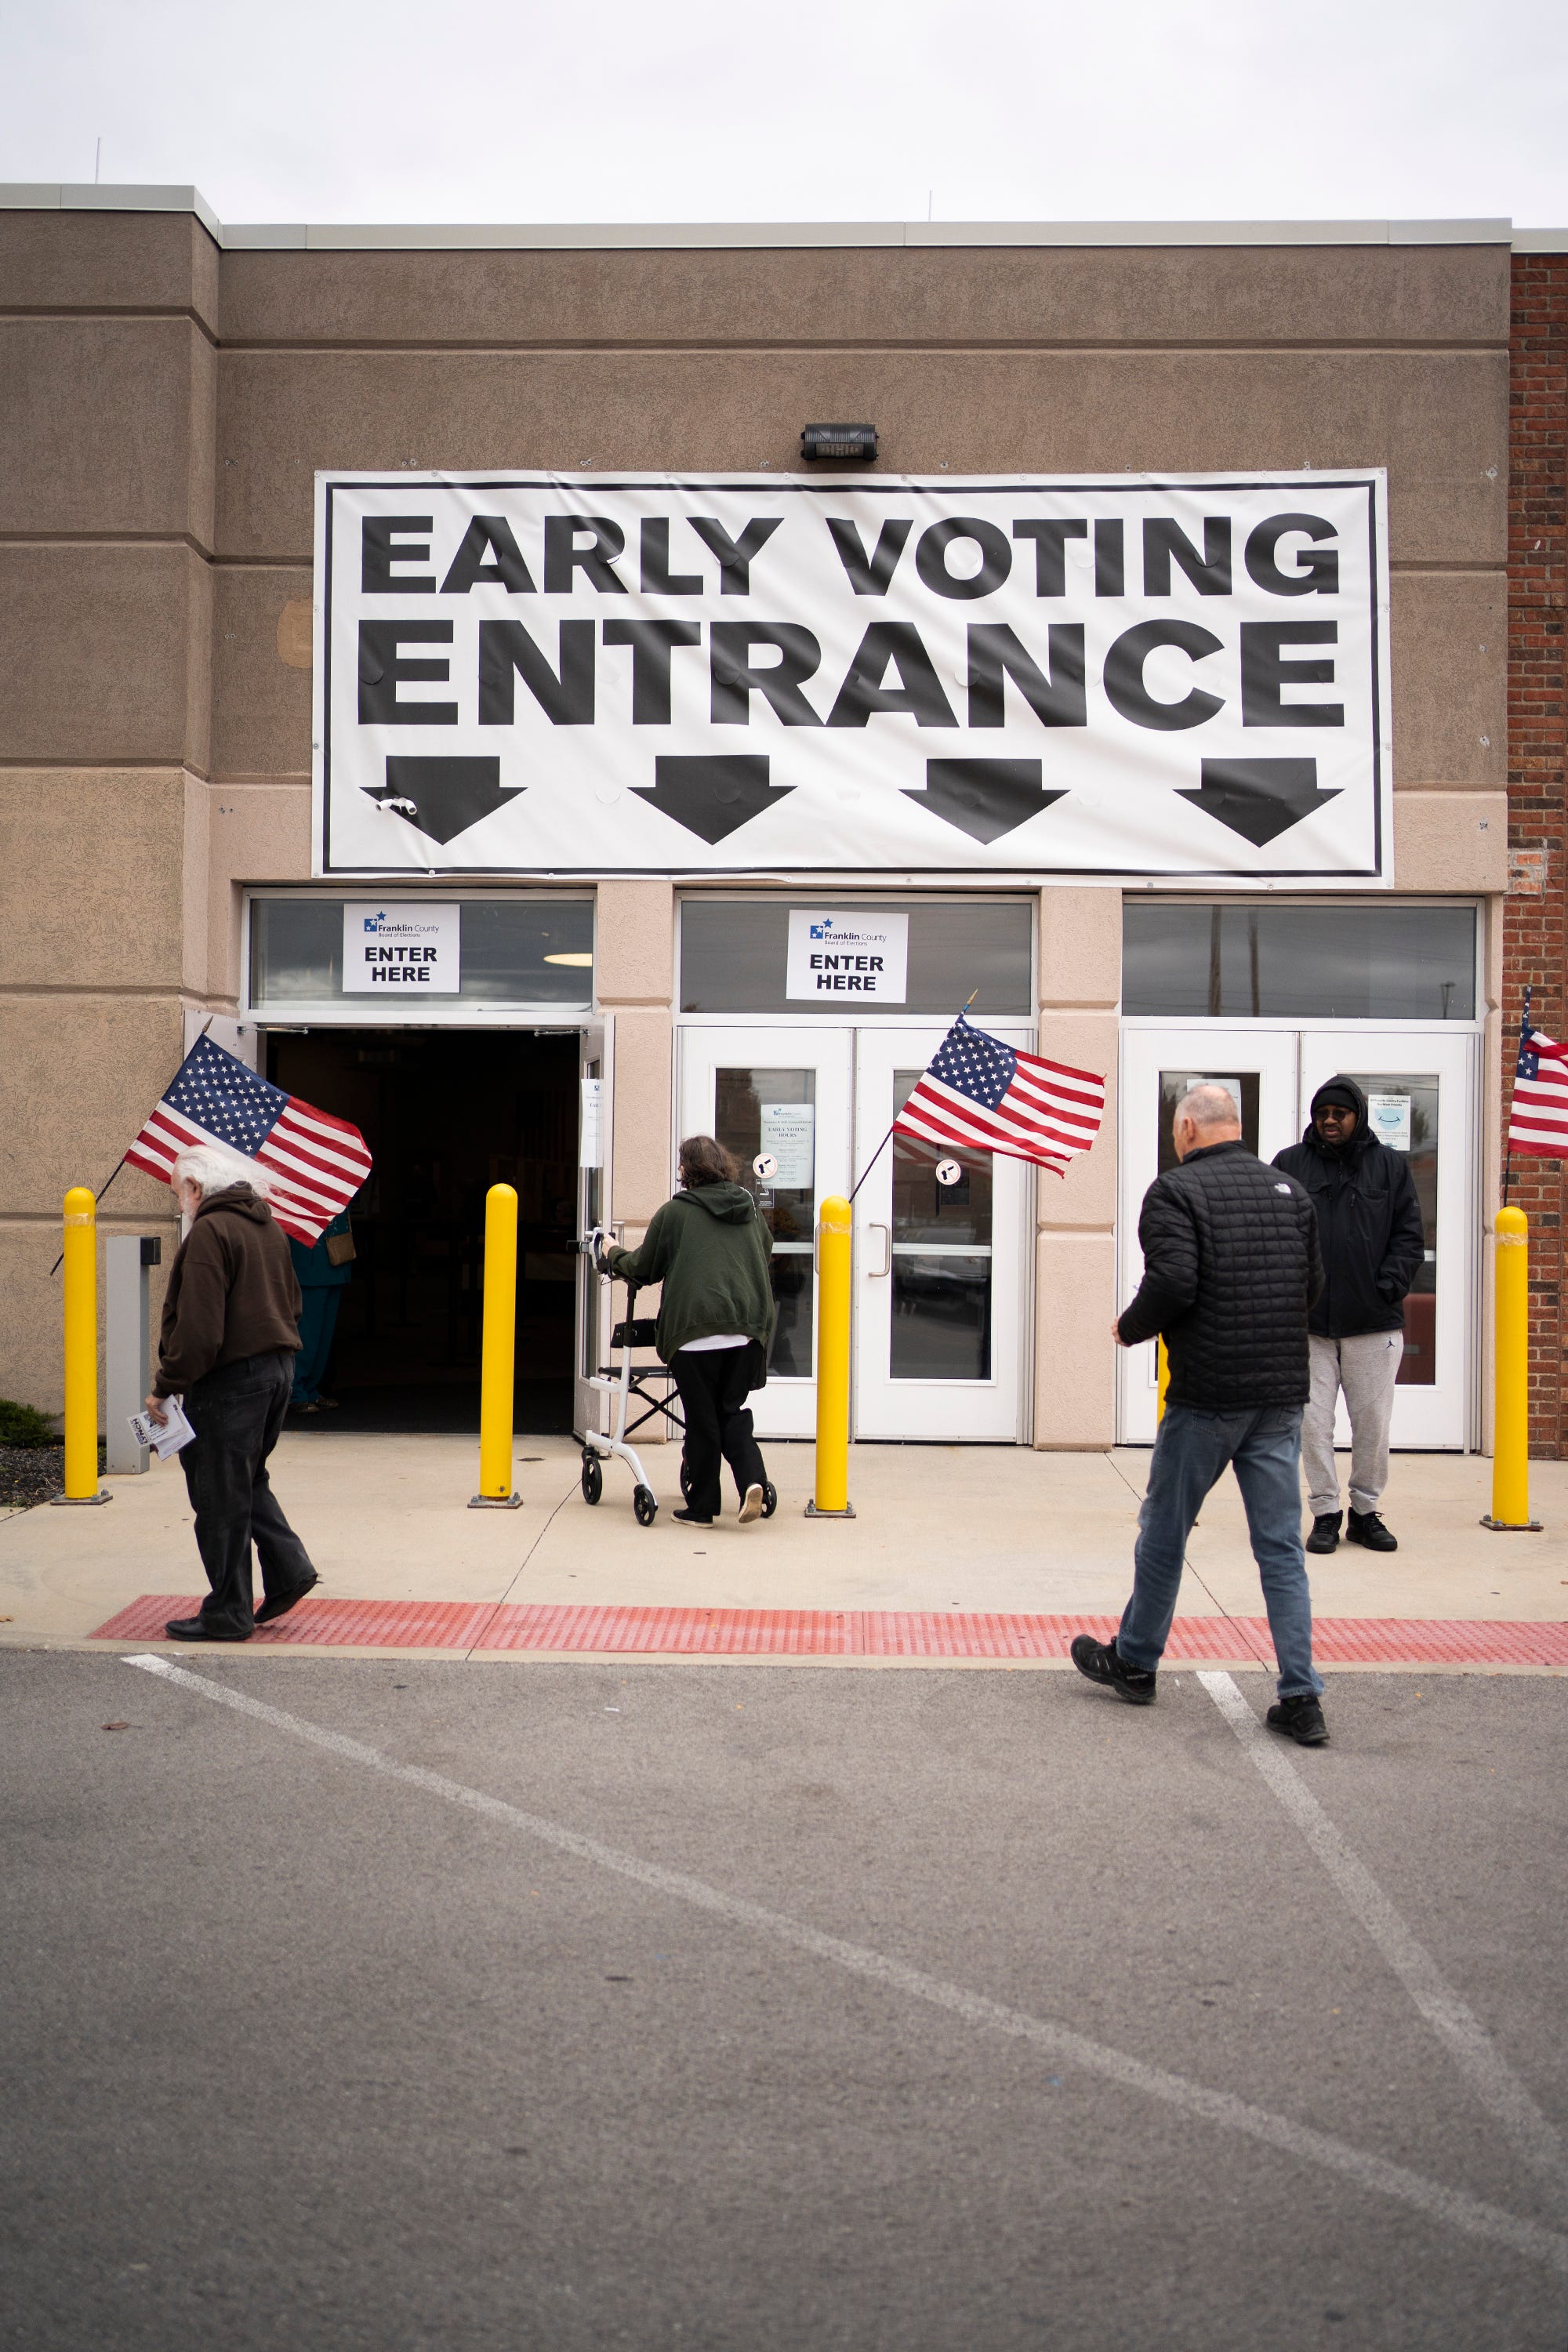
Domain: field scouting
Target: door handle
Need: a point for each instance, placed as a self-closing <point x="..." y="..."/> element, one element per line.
<point x="878" y="1272"/>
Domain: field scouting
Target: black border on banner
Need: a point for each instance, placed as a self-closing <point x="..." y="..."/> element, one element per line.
<point x="1014" y="874"/>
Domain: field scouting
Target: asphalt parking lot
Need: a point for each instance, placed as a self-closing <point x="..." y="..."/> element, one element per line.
<point x="410" y="2004"/>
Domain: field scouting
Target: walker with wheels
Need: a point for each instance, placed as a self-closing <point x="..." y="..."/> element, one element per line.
<point x="625" y="1384"/>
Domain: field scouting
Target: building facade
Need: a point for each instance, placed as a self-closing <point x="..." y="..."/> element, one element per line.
<point x="176" y="392"/>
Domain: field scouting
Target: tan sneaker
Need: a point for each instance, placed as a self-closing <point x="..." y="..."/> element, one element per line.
<point x="752" y="1508"/>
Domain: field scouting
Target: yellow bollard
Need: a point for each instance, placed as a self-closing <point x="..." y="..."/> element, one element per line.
<point x="1510" y="1375"/>
<point x="497" y="1354"/>
<point x="1162" y="1378"/>
<point x="834" y="1227"/>
<point x="82" y="1348"/>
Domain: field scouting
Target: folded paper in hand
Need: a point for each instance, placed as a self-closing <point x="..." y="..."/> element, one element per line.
<point x="164" y="1437"/>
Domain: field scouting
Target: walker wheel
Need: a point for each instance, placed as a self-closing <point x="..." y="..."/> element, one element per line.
<point x="685" y="1481"/>
<point x="769" y="1498"/>
<point x="593" y="1478"/>
<point x="645" y="1503"/>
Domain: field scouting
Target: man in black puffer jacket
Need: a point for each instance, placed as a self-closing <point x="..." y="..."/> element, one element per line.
<point x="1231" y="1266"/>
<point x="1374" y="1246"/>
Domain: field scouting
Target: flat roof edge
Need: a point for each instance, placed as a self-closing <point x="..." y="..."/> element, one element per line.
<point x="741" y="236"/>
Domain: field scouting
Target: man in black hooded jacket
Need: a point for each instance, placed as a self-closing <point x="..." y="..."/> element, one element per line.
<point x="1372" y="1240"/>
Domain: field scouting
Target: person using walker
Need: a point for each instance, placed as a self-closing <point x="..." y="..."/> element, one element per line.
<point x="708" y="1247"/>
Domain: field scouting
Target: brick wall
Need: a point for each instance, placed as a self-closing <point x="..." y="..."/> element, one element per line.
<point x="1533" y="941"/>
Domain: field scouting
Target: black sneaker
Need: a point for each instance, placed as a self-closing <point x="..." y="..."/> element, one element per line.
<point x="1103" y="1663"/>
<point x="1300" y="1719"/>
<point x="1325" y="1535"/>
<point x="1366" y="1527"/>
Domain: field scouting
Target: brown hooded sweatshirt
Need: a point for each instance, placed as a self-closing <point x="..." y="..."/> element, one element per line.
<point x="232" y="1291"/>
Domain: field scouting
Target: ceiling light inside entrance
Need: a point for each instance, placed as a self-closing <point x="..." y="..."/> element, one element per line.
<point x="584" y="960"/>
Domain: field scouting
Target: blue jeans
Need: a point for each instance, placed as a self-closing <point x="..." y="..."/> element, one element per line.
<point x="1264" y="1448"/>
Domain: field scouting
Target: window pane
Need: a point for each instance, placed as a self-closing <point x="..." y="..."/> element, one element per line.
<point x="925" y="1211"/>
<point x="513" y="951"/>
<point x="775" y="1111"/>
<point x="1174" y="1083"/>
<point x="941" y="1318"/>
<point x="296" y="950"/>
<point x="1412" y="1099"/>
<point x="733" y="954"/>
<point x="1368" y="962"/>
<point x="941" y="1302"/>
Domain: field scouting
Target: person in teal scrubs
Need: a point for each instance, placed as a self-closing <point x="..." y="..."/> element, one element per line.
<point x="320" y="1290"/>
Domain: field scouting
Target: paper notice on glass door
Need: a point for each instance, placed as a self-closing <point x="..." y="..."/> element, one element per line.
<point x="1388" y="1116"/>
<point x="789" y="1138"/>
<point x="590" y="1135"/>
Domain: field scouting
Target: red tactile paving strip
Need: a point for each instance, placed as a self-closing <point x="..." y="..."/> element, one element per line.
<point x="562" y="1629"/>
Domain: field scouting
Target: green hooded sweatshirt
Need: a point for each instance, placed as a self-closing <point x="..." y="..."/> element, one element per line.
<point x="710" y="1249"/>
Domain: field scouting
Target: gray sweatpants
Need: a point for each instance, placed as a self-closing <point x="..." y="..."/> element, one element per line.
<point x="1366" y="1369"/>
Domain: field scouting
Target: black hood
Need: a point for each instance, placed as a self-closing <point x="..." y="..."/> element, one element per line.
<point x="730" y="1203"/>
<point x="1339" y="1090"/>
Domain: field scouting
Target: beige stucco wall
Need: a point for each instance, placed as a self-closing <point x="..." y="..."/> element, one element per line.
<point x="163" y="407"/>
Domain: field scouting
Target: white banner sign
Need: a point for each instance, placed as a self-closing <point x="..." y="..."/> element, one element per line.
<point x="404" y="948"/>
<point x="772" y="674"/>
<point x="847" y="954"/>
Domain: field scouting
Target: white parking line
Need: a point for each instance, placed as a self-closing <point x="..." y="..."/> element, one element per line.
<point x="1451" y="2207"/>
<point x="1491" y="2077"/>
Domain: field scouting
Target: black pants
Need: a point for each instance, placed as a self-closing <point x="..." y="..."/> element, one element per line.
<point x="714" y="1385"/>
<point x="236" y="1412"/>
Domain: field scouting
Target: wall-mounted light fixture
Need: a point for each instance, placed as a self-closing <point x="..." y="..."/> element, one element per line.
<point x="856" y="444"/>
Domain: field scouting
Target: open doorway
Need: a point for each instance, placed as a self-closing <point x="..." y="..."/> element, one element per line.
<point x="447" y="1113"/>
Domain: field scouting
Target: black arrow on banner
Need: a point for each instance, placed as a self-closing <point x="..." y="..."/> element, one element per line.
<point x="712" y="797"/>
<point x="443" y="797"/>
<point x="984" y="798"/>
<point x="1259" y="799"/>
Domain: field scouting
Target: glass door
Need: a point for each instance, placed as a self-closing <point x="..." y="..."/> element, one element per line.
<point x="1420" y="1090"/>
<point x="940" y="1270"/>
<point x="1260" y="1067"/>
<point x="594" y="1304"/>
<point x="780" y="1098"/>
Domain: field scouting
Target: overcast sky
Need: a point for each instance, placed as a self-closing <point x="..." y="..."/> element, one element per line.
<point x="867" y="110"/>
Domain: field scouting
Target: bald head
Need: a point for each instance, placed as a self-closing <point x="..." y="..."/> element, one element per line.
<point x="1206" y="1115"/>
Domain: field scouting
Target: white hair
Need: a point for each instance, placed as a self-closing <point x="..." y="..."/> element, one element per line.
<point x="1209" y="1107"/>
<point x="212" y="1170"/>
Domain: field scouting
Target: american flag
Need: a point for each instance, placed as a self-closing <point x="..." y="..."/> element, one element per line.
<point x="311" y="1163"/>
<point x="1538" y="1115"/>
<point x="988" y="1096"/>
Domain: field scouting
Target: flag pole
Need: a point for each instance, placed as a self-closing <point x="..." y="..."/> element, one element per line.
<point x="889" y="1137"/>
<point x="125" y="1155"/>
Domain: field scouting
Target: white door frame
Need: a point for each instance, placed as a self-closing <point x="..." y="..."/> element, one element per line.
<point x="1439" y="1418"/>
<point x="786" y="1407"/>
<point x="1217" y="1049"/>
<point x="952" y="1412"/>
<point x="1453" y="1048"/>
<point x="594" y="1316"/>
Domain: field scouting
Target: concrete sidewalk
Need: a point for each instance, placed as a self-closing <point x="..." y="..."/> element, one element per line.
<point x="938" y="1529"/>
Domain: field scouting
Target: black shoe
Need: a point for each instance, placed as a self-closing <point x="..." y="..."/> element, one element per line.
<point x="1366" y="1527"/>
<point x="200" y="1629"/>
<point x="1325" y="1535"/>
<point x="277" y="1604"/>
<point x="1300" y="1719"/>
<point x="692" y="1518"/>
<point x="1103" y="1663"/>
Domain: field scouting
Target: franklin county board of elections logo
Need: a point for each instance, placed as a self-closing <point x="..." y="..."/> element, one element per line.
<point x="396" y="927"/>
